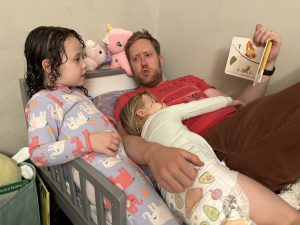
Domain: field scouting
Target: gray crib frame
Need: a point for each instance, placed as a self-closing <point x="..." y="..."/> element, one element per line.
<point x="54" y="177"/>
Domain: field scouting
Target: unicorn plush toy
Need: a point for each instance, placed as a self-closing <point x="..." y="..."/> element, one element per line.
<point x="115" y="41"/>
<point x="95" y="55"/>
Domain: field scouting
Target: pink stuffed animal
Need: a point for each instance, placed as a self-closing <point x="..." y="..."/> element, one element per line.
<point x="95" y="55"/>
<point x="115" y="40"/>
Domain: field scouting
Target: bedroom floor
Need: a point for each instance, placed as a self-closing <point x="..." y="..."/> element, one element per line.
<point x="57" y="216"/>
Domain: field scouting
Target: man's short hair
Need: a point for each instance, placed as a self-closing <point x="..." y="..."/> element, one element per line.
<point x="144" y="34"/>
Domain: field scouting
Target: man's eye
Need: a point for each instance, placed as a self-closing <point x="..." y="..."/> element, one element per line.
<point x="136" y="59"/>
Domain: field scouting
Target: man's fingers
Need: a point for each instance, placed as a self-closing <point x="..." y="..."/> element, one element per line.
<point x="258" y="32"/>
<point x="183" y="174"/>
<point x="258" y="26"/>
<point x="262" y="35"/>
<point x="174" y="183"/>
<point x="265" y="37"/>
<point x="258" y="37"/>
<point x="167" y="187"/>
<point x="186" y="176"/>
<point x="192" y="158"/>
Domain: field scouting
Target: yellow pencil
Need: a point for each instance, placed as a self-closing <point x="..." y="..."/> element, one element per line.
<point x="264" y="60"/>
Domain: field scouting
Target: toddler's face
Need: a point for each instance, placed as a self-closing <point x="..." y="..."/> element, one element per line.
<point x="151" y="105"/>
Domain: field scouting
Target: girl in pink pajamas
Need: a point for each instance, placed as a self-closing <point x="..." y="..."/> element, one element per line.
<point x="64" y="124"/>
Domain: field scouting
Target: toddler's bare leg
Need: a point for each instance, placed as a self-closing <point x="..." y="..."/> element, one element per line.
<point x="266" y="207"/>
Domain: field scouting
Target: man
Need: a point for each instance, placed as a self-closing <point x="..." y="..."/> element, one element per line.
<point x="257" y="140"/>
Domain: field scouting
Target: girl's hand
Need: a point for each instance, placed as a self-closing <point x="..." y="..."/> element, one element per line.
<point x="106" y="142"/>
<point x="237" y="103"/>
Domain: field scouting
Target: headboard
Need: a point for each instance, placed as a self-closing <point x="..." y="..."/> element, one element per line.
<point x="97" y="82"/>
<point x="102" y="81"/>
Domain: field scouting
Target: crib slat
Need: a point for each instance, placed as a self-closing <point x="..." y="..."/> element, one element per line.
<point x="99" y="207"/>
<point x="106" y="188"/>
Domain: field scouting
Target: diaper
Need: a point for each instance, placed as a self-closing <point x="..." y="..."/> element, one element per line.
<point x="208" y="200"/>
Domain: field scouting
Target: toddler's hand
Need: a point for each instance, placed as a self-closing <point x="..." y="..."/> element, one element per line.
<point x="237" y="103"/>
<point x="105" y="142"/>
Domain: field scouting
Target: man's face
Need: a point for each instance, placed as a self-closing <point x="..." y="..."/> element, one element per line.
<point x="145" y="63"/>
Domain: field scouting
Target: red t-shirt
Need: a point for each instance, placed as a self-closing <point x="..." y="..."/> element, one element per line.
<point x="181" y="90"/>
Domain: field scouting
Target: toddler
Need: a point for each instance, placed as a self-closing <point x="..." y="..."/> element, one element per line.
<point x="219" y="195"/>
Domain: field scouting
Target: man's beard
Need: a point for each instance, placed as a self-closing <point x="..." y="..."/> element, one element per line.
<point x="156" y="78"/>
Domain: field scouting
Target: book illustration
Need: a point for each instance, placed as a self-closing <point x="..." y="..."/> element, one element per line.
<point x="246" y="60"/>
<point x="250" y="50"/>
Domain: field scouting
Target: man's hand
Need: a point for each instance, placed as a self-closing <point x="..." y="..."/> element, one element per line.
<point x="173" y="168"/>
<point x="261" y="36"/>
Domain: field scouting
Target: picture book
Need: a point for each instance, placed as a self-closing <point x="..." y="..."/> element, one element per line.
<point x="246" y="60"/>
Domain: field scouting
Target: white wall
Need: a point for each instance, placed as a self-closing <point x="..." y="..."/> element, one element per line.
<point x="195" y="37"/>
<point x="88" y="17"/>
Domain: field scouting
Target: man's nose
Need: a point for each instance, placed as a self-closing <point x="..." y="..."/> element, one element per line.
<point x="143" y="60"/>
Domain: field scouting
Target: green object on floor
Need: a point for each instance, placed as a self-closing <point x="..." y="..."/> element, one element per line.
<point x="22" y="206"/>
<point x="10" y="171"/>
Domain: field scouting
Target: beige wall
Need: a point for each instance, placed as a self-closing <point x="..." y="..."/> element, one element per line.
<point x="194" y="34"/>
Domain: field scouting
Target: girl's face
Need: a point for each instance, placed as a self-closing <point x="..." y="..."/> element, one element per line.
<point x="73" y="68"/>
<point x="151" y="105"/>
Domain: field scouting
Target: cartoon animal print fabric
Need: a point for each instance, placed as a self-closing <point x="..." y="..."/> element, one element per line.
<point x="59" y="122"/>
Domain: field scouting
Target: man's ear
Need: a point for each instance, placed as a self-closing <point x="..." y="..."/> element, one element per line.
<point x="46" y="66"/>
<point x="161" y="59"/>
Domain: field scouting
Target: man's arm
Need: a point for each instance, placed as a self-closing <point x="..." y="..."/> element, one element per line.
<point x="250" y="93"/>
<point x="171" y="167"/>
<point x="260" y="37"/>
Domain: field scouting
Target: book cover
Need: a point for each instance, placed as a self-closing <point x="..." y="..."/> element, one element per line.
<point x="246" y="60"/>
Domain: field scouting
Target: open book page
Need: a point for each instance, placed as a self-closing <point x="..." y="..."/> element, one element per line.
<point x="246" y="60"/>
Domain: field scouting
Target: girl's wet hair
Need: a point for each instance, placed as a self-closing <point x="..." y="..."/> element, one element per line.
<point x="45" y="42"/>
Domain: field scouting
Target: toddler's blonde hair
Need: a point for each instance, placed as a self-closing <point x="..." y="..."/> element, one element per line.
<point x="129" y="118"/>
